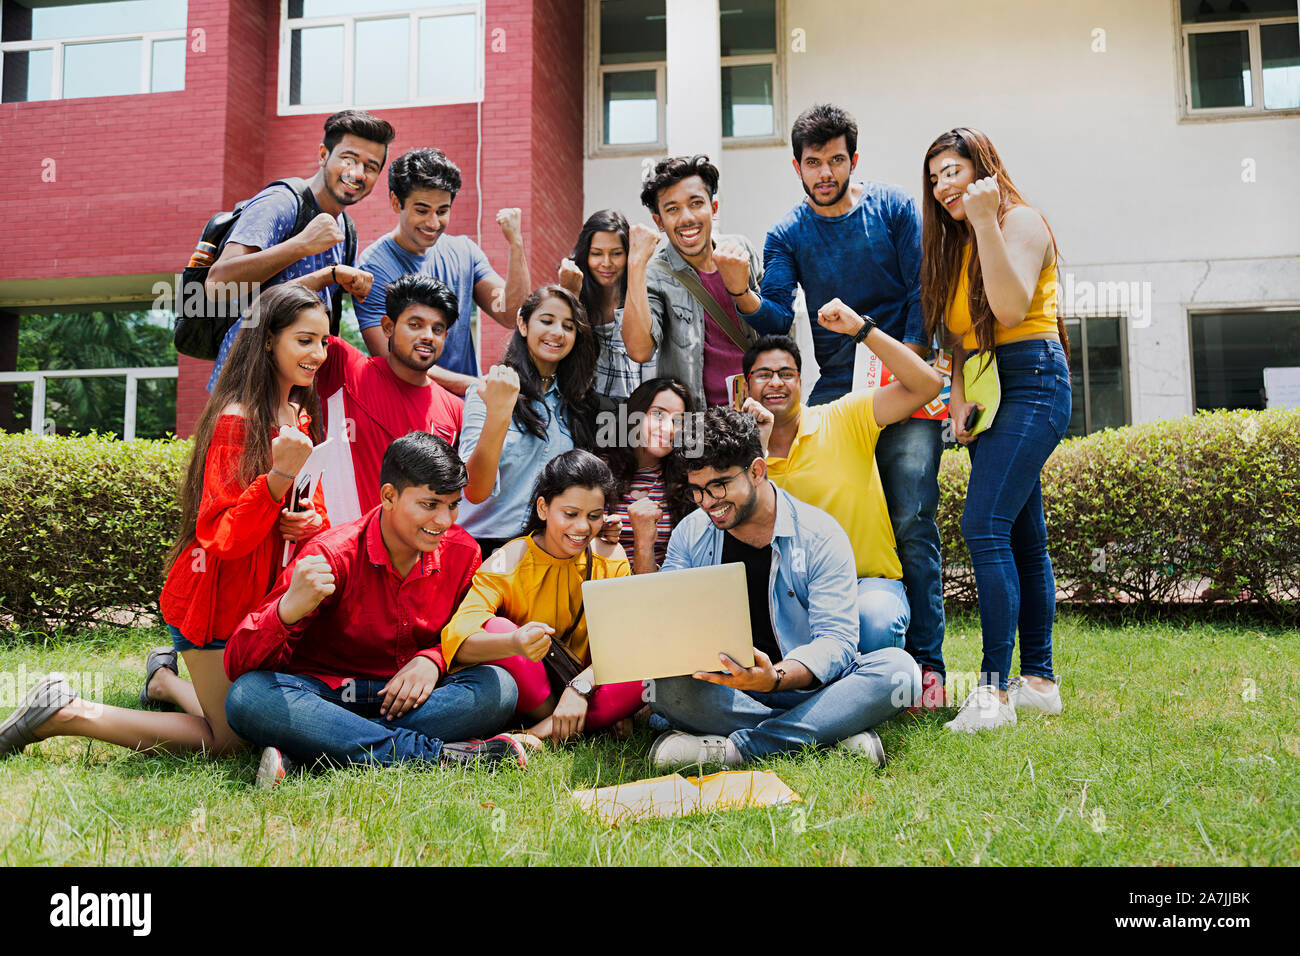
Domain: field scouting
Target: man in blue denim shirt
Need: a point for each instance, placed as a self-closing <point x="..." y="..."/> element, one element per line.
<point x="809" y="684"/>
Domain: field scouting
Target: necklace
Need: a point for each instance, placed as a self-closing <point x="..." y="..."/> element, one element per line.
<point x="547" y="382"/>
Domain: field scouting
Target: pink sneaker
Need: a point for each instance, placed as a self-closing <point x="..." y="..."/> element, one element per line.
<point x="933" y="695"/>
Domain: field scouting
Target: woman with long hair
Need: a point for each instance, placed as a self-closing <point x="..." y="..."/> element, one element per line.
<point x="988" y="289"/>
<point x="597" y="274"/>
<point x="651" y="496"/>
<point x="253" y="437"/>
<point x="533" y="406"/>
<point x="529" y="595"/>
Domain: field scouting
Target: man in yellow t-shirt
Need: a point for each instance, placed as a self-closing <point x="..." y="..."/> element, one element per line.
<point x="825" y="455"/>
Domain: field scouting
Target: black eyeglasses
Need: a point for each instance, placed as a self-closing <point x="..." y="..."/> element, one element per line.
<point x="716" y="489"/>
<point x="762" y="376"/>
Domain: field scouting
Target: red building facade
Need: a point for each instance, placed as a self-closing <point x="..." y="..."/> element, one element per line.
<point x="115" y="190"/>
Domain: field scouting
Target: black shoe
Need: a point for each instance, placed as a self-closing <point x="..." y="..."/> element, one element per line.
<point x="484" y="752"/>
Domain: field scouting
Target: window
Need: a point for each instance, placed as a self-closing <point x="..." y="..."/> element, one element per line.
<point x="631" y="60"/>
<point x="105" y="48"/>
<point x="375" y="54"/>
<point x="1098" y="373"/>
<point x="1230" y="351"/>
<point x="1240" y="57"/>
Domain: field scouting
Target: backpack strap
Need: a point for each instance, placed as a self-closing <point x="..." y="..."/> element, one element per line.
<point x="692" y="284"/>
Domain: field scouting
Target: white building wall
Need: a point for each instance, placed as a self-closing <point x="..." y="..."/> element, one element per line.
<point x="1092" y="138"/>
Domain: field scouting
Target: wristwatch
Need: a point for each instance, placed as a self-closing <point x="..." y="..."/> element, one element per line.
<point x="581" y="686"/>
<point x="868" y="323"/>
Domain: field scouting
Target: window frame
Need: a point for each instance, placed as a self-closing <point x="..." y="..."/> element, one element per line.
<point x="595" y="86"/>
<point x="1186" y="112"/>
<point x="348" y="21"/>
<point x="147" y="37"/>
<point x="1125" y="371"/>
<point x="1209" y="308"/>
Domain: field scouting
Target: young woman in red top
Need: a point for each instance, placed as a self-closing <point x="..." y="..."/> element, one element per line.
<point x="254" y="436"/>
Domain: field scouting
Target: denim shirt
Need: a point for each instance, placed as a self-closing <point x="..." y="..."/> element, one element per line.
<point x="677" y="318"/>
<point x="523" y="455"/>
<point x="812" y="592"/>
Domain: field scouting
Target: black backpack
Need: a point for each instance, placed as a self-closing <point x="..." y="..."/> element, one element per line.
<point x="202" y="322"/>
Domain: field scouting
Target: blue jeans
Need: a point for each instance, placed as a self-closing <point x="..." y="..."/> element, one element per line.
<point x="872" y="689"/>
<point x="1003" y="520"/>
<point x="907" y="454"/>
<point x="882" y="614"/>
<point x="308" y="720"/>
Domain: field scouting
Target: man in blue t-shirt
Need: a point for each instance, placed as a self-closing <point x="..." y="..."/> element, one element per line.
<point x="861" y="242"/>
<point x="260" y="248"/>
<point x="422" y="184"/>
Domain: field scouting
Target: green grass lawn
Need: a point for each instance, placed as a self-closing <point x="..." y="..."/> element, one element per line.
<point x="1177" y="746"/>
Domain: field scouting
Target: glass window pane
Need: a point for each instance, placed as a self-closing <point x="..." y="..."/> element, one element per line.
<point x="633" y="31"/>
<point x="168" y="72"/>
<point x="449" y="49"/>
<point x="316" y="66"/>
<point x="337" y="8"/>
<point x="1210" y="11"/>
<point x="28" y="76"/>
<point x="747" y="100"/>
<point x="102" y="69"/>
<point x="1280" y="46"/>
<point x="747" y="26"/>
<point x="1220" y="65"/>
<point x="1105" y="374"/>
<point x="94" y="19"/>
<point x="631" y="108"/>
<point x="1078" y="419"/>
<point x="382" y="65"/>
<point x="1230" y="351"/>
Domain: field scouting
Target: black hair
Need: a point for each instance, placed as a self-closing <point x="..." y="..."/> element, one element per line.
<point x="604" y="220"/>
<point x="426" y="168"/>
<point x="729" y="439"/>
<point x="622" y="460"/>
<point x="422" y="459"/>
<point x="411" y="289"/>
<point x="575" y="375"/>
<point x="770" y="343"/>
<point x="818" y="125"/>
<point x="360" y="124"/>
<point x="573" y="468"/>
<point x="672" y="170"/>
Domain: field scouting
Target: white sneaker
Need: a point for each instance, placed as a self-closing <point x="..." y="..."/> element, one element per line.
<point x="676" y="748"/>
<point x="982" y="711"/>
<point x="866" y="744"/>
<point x="1025" y="698"/>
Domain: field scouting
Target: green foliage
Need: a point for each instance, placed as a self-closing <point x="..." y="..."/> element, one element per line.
<point x="1159" y="513"/>
<point x="97" y="340"/>
<point x="86" y="524"/>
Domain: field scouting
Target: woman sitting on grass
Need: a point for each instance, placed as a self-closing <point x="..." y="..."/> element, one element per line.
<point x="536" y="580"/>
<point x="254" y="435"/>
<point x="652" y="495"/>
<point x="533" y="406"/>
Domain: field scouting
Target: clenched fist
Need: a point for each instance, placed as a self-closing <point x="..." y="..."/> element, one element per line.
<point x="289" y="450"/>
<point x="511" y="223"/>
<point x="533" y="640"/>
<point x="835" y="316"/>
<point x="499" y="388"/>
<point x="981" y="201"/>
<point x="571" y="276"/>
<point x="733" y="262"/>
<point x="355" y="281"/>
<point x="641" y="244"/>
<point x="313" y="582"/>
<point x="321" y="233"/>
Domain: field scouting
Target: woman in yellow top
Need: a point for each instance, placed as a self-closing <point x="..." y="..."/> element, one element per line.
<point x="988" y="274"/>
<point x="536" y="580"/>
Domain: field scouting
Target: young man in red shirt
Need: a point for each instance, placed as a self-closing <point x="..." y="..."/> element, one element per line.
<point x="343" y="662"/>
<point x="371" y="401"/>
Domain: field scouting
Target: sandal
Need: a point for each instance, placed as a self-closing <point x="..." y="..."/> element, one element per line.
<point x="158" y="657"/>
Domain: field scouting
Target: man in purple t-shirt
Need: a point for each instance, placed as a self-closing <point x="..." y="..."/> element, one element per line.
<point x="260" y="248"/>
<point x="663" y="311"/>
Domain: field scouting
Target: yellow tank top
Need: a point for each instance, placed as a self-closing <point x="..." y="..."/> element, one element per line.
<point x="1040" y="319"/>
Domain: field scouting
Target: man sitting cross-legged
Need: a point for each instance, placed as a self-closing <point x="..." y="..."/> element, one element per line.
<point x="809" y="684"/>
<point x="343" y="661"/>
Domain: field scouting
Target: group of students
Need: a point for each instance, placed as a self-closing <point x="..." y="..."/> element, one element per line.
<point x="437" y="570"/>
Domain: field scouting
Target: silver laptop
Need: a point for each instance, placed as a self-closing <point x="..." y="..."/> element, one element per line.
<point x="668" y="623"/>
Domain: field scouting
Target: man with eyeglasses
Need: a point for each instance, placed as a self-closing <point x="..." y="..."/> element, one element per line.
<point x="825" y="455"/>
<point x="809" y="683"/>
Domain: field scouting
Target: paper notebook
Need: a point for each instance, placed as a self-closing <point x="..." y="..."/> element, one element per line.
<point x="983" y="386"/>
<point x="678" y="796"/>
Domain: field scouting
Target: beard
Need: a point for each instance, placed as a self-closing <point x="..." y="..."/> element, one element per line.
<point x="830" y="202"/>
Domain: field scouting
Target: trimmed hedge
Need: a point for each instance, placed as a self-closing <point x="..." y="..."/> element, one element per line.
<point x="1144" y="516"/>
<point x="1156" y="514"/>
<point x="85" y="524"/>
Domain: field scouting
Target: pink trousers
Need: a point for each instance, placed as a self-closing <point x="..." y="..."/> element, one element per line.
<point x="608" y="704"/>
